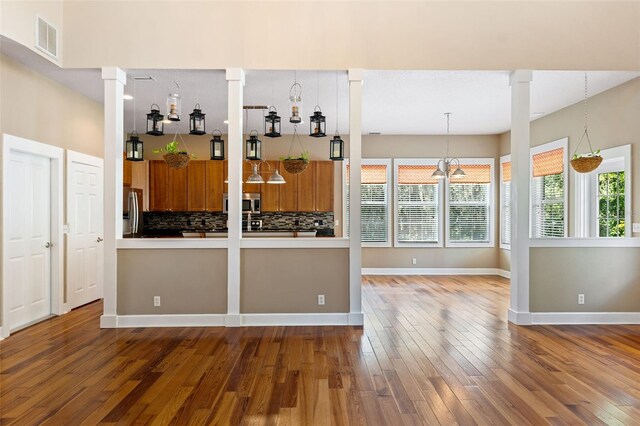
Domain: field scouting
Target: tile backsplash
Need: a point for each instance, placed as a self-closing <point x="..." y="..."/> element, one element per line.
<point x="284" y="221"/>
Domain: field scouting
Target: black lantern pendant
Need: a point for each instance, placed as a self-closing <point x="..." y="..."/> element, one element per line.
<point x="317" y="124"/>
<point x="155" y="126"/>
<point x="336" y="148"/>
<point x="217" y="146"/>
<point x="272" y="123"/>
<point x="196" y="122"/>
<point x="134" y="148"/>
<point x="254" y="147"/>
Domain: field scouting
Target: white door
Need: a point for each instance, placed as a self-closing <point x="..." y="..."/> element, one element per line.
<point x="85" y="259"/>
<point x="29" y="257"/>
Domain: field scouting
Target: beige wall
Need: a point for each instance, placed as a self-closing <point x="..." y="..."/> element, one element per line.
<point x="18" y="22"/>
<point x="504" y="259"/>
<point x="191" y="281"/>
<point x="608" y="277"/>
<point x="37" y="108"/>
<point x="340" y="35"/>
<point x="399" y="146"/>
<point x="290" y="280"/>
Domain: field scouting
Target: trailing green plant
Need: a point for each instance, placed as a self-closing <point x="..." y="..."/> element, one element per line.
<point x="304" y="156"/>
<point x="588" y="154"/>
<point x="172" y="148"/>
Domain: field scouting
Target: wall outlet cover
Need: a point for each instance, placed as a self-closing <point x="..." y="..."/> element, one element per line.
<point x="414" y="261"/>
<point x="636" y="227"/>
<point x="156" y="300"/>
<point x="580" y="299"/>
<point x="321" y="299"/>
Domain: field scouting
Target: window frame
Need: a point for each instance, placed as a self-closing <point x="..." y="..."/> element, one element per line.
<point x="550" y="146"/>
<point x="369" y="161"/>
<point x="441" y="209"/>
<point x="504" y="159"/>
<point x="586" y="192"/>
<point x="491" y="204"/>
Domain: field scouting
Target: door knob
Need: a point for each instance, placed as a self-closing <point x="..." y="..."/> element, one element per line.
<point x="48" y="245"/>
<point x="99" y="240"/>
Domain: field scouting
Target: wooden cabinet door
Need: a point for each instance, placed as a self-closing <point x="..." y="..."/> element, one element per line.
<point x="126" y="170"/>
<point x="289" y="192"/>
<point x="178" y="190"/>
<point x="140" y="179"/>
<point x="324" y="186"/>
<point x="270" y="199"/>
<point x="225" y="173"/>
<point x="196" y="181"/>
<point x="158" y="181"/>
<point x="307" y="189"/>
<point x="214" y="185"/>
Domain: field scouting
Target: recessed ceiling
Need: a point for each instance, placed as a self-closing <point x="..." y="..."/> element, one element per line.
<point x="394" y="102"/>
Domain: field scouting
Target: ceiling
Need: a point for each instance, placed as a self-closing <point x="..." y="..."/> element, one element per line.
<point x="394" y="102"/>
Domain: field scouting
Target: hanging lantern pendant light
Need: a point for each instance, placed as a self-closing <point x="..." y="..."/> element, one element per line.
<point x="155" y="124"/>
<point x="272" y="123"/>
<point x="295" y="102"/>
<point x="217" y="145"/>
<point x="174" y="103"/>
<point x="197" y="121"/>
<point x="134" y="148"/>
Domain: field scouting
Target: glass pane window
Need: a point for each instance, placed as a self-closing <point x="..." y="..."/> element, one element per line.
<point x="611" y="204"/>
<point x="374" y="207"/>
<point x="506" y="213"/>
<point x="418" y="213"/>
<point x="469" y="212"/>
<point x="548" y="206"/>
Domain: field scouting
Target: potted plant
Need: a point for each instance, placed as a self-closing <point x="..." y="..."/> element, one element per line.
<point x="295" y="164"/>
<point x="173" y="155"/>
<point x="586" y="163"/>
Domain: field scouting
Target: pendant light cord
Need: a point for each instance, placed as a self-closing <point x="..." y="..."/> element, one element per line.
<point x="448" y="114"/>
<point x="134" y="105"/>
<point x="337" y="105"/>
<point x="585" y="133"/>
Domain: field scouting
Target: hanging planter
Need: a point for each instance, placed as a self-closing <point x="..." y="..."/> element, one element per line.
<point x="174" y="156"/>
<point x="293" y="164"/>
<point x="585" y="163"/>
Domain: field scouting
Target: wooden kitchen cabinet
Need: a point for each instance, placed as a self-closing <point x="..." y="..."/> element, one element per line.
<point x="140" y="179"/>
<point x="307" y="189"/>
<point x="270" y="198"/>
<point x="214" y="184"/>
<point x="324" y="186"/>
<point x="196" y="183"/>
<point x="126" y="170"/>
<point x="288" y="192"/>
<point x="168" y="187"/>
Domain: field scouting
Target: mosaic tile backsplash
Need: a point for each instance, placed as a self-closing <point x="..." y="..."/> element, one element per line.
<point x="280" y="221"/>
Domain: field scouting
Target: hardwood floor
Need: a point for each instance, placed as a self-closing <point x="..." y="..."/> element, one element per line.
<point x="434" y="350"/>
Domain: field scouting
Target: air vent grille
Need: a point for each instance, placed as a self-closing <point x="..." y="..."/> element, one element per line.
<point x="46" y="37"/>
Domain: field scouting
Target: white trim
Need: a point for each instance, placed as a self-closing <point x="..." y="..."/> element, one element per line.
<point x="550" y="146"/>
<point x="295" y="319"/>
<point x="491" y="242"/>
<point x="504" y="273"/>
<point x="433" y="271"/>
<point x="186" y="320"/>
<point x="170" y="243"/>
<point x="441" y="214"/>
<point x="1" y="335"/>
<point x="108" y="321"/>
<point x="504" y="159"/>
<point x="519" y="318"/>
<point x="386" y="162"/>
<point x="309" y="243"/>
<point x="231" y="320"/>
<point x="560" y="318"/>
<point x="345" y="224"/>
<point x="585" y="242"/>
<point x="56" y="155"/>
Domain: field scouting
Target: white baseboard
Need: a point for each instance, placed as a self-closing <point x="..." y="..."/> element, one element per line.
<point x="233" y="320"/>
<point x="584" y="318"/>
<point x="356" y="319"/>
<point x="204" y="320"/>
<point x="519" y="318"/>
<point x="108" y="321"/>
<point x="434" y="271"/>
<point x="295" y="319"/>
<point x="503" y="273"/>
<point x="1" y="335"/>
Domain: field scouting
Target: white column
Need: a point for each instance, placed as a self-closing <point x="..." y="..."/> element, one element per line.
<point x="356" y="316"/>
<point x="114" y="82"/>
<point x="520" y="82"/>
<point x="235" y="81"/>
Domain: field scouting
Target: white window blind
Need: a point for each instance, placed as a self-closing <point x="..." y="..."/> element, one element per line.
<point x="374" y="208"/>
<point x="418" y="204"/>
<point x="548" y="194"/>
<point x="469" y="204"/>
<point x="505" y="205"/>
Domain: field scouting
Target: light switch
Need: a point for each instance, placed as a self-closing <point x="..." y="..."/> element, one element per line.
<point x="636" y="227"/>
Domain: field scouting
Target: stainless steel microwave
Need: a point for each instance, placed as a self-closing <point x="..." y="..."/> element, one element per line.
<point x="250" y="202"/>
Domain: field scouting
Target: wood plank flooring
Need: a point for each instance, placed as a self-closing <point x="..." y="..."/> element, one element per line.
<point x="434" y="350"/>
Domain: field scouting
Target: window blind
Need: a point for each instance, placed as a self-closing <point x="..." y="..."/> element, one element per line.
<point x="475" y="173"/>
<point x="506" y="171"/>
<point x="418" y="212"/>
<point x="548" y="163"/>
<point x="374" y="208"/>
<point x="469" y="205"/>
<point x="505" y="207"/>
<point x="548" y="206"/>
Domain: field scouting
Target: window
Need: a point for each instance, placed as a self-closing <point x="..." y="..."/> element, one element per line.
<point x="417" y="207"/>
<point x="603" y="197"/>
<point x="469" y="201"/>
<point x="505" y="202"/>
<point x="548" y="190"/>
<point x="374" y="213"/>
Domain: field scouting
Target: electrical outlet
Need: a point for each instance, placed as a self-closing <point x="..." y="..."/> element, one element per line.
<point x="580" y="299"/>
<point x="156" y="300"/>
<point x="636" y="227"/>
<point x="414" y="261"/>
<point x="337" y="222"/>
<point x="321" y="299"/>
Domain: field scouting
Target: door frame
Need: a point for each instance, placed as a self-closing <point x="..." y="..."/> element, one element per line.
<point x="55" y="154"/>
<point x="78" y="157"/>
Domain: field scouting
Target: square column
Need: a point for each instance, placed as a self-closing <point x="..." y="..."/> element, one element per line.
<point x="235" y="81"/>
<point x="114" y="82"/>
<point x="356" y="317"/>
<point x="520" y="82"/>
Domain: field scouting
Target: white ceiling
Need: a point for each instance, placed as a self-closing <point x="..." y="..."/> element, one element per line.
<point x="394" y="102"/>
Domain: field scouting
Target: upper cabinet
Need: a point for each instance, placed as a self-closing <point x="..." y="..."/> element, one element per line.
<point x="196" y="182"/>
<point x="167" y="187"/>
<point x="307" y="188"/>
<point x="270" y="198"/>
<point x="126" y="170"/>
<point x="309" y="191"/>
<point x="324" y="186"/>
<point x="214" y="185"/>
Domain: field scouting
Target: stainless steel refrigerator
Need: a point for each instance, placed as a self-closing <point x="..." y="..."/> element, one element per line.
<point x="132" y="226"/>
